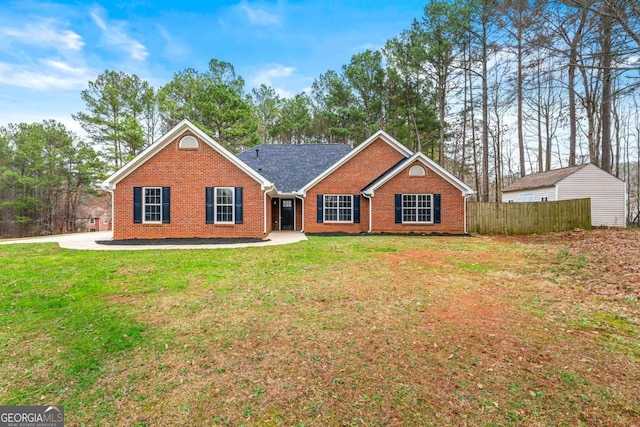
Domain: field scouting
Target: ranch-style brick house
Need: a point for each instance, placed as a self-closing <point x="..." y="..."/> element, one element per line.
<point x="186" y="185"/>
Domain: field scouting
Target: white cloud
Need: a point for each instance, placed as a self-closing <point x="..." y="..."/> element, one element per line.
<point x="63" y="67"/>
<point x="259" y="16"/>
<point x="114" y="34"/>
<point x="275" y="76"/>
<point x="98" y="20"/>
<point x="55" y="75"/>
<point x="366" y="46"/>
<point x="272" y="72"/>
<point x="173" y="49"/>
<point x="44" y="34"/>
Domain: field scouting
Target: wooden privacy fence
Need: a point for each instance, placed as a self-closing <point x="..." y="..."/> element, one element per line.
<point x="529" y="217"/>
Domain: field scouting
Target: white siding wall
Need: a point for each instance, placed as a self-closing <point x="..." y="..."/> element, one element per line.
<point x="607" y="195"/>
<point x="538" y="194"/>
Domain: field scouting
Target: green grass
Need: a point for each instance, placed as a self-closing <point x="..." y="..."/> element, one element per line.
<point x="366" y="330"/>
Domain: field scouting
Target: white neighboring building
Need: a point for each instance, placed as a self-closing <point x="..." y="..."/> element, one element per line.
<point x="608" y="194"/>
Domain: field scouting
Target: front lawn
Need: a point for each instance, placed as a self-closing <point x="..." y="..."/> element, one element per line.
<point x="362" y="331"/>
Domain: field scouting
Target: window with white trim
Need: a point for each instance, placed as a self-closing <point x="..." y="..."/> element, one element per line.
<point x="152" y="204"/>
<point x="417" y="208"/>
<point x="338" y="208"/>
<point x="224" y="204"/>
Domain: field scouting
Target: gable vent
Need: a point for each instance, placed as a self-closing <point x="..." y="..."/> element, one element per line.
<point x="188" y="143"/>
<point x="416" y="171"/>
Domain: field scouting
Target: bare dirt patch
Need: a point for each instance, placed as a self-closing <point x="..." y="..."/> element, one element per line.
<point x="471" y="312"/>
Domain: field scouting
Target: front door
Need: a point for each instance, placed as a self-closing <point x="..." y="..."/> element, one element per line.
<point x="286" y="214"/>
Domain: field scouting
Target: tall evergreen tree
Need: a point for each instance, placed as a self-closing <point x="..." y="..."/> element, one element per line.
<point x="114" y="103"/>
<point x="214" y="101"/>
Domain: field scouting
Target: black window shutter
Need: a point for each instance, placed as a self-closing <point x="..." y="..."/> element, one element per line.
<point x="208" y="206"/>
<point x="398" y="208"/>
<point x="437" y="211"/>
<point x="320" y="208"/>
<point x="137" y="205"/>
<point x="356" y="209"/>
<point x="166" y="205"/>
<point x="238" y="205"/>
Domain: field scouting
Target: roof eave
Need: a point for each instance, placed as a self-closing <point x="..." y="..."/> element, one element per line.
<point x="111" y="182"/>
<point x="422" y="158"/>
<point x="379" y="134"/>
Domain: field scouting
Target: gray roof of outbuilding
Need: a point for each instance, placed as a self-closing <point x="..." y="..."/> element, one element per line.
<point x="543" y="179"/>
<point x="291" y="166"/>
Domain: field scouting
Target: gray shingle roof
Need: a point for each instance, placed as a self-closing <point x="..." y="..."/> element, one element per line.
<point x="291" y="166"/>
<point x="542" y="179"/>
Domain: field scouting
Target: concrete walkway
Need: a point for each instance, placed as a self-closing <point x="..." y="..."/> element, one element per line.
<point x="87" y="241"/>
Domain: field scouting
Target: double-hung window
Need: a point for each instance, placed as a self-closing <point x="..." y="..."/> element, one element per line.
<point x="224" y="204"/>
<point x="338" y="208"/>
<point x="152" y="204"/>
<point x="417" y="208"/>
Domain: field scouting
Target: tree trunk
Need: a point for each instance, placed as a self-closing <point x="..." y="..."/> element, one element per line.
<point x="442" y="91"/>
<point x="539" y="117"/>
<point x="520" y="102"/>
<point x="473" y="134"/>
<point x="606" y="91"/>
<point x="485" y="111"/>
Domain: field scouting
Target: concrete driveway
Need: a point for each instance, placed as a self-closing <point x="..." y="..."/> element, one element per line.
<point x="87" y="241"/>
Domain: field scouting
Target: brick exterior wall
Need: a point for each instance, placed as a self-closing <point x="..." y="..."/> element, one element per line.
<point x="452" y="203"/>
<point x="188" y="173"/>
<point x="350" y="178"/>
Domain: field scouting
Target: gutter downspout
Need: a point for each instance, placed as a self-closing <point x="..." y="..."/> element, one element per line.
<point x="370" y="212"/>
<point x="302" y="202"/>
<point x="113" y="218"/>
<point x="264" y="205"/>
<point x="466" y="197"/>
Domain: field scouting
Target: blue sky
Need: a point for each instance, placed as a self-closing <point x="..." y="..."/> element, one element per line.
<point x="50" y="50"/>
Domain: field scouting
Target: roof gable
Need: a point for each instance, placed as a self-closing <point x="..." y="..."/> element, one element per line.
<point x="543" y="179"/>
<point x="370" y="189"/>
<point x="378" y="135"/>
<point x="291" y="166"/>
<point x="185" y="125"/>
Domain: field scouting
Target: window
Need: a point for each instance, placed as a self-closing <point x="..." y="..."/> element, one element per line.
<point x="105" y="220"/>
<point x="224" y="204"/>
<point x="152" y="204"/>
<point x="338" y="208"/>
<point x="544" y="199"/>
<point x="92" y="221"/>
<point x="417" y="208"/>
